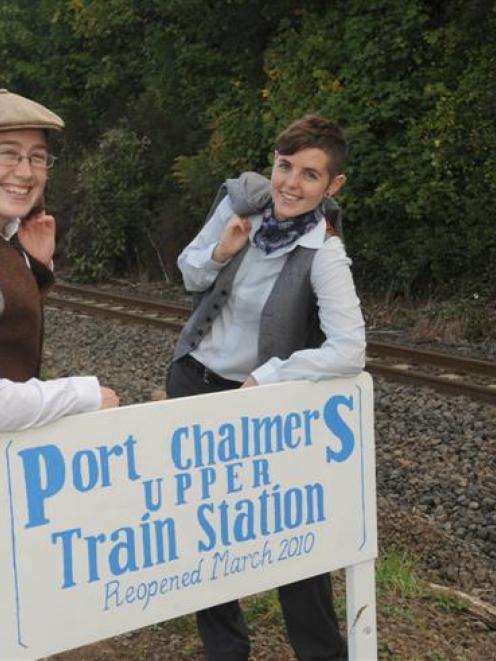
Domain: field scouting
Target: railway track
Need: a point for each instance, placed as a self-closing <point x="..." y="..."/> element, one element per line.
<point x="444" y="372"/>
<point x="135" y="309"/>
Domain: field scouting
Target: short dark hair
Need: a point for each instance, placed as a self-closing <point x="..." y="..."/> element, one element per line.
<point x="315" y="131"/>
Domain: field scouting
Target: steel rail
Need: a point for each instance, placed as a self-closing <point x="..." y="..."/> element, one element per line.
<point x="152" y="312"/>
<point x="483" y="393"/>
<point x="414" y="355"/>
<point x="114" y="313"/>
<point x="126" y="300"/>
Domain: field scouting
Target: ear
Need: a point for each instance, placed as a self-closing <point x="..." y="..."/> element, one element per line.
<point x="336" y="184"/>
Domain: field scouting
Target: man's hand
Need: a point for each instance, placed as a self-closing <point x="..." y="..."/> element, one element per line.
<point x="250" y="381"/>
<point x="109" y="399"/>
<point x="233" y="238"/>
<point x="37" y="236"/>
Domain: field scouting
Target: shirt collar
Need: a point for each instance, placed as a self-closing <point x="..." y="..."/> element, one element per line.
<point x="10" y="228"/>
<point x="316" y="237"/>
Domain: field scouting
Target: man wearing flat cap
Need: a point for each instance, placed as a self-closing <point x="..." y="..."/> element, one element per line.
<point x="27" y="243"/>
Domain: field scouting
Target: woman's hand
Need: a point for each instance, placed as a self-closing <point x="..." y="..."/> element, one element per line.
<point x="233" y="238"/>
<point x="109" y="398"/>
<point x="37" y="237"/>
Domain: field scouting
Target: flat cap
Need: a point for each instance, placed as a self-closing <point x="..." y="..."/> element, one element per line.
<point x="17" y="112"/>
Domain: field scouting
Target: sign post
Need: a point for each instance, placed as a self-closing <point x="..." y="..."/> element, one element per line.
<point x="115" y="520"/>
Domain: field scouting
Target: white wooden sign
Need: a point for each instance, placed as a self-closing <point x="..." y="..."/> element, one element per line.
<point x="115" y="520"/>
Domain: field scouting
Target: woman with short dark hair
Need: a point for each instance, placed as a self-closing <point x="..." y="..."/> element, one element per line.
<point x="277" y="303"/>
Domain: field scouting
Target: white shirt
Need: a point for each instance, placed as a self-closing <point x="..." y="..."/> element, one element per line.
<point x="10" y="228"/>
<point x="231" y="346"/>
<point x="35" y="402"/>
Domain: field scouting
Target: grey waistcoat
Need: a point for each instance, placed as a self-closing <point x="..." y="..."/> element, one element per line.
<point x="289" y="319"/>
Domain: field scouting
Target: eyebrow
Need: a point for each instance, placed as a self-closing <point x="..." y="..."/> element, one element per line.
<point x="313" y="170"/>
<point x="13" y="143"/>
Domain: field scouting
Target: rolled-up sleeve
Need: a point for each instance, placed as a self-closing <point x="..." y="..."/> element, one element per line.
<point x="342" y="353"/>
<point x="195" y="262"/>
<point x="35" y="402"/>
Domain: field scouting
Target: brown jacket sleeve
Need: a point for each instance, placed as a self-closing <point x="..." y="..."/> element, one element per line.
<point x="43" y="275"/>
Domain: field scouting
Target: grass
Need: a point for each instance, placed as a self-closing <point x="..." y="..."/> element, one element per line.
<point x="397" y="573"/>
<point x="262" y="608"/>
<point x="448" y="603"/>
<point x="46" y="374"/>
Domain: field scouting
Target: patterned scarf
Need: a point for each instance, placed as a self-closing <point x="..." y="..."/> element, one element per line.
<point x="274" y="234"/>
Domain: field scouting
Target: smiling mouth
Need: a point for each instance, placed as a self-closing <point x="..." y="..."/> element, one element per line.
<point x="16" y="192"/>
<point x="288" y="197"/>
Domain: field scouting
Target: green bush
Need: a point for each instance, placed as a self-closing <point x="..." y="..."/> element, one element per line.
<point x="111" y="214"/>
<point x="413" y="83"/>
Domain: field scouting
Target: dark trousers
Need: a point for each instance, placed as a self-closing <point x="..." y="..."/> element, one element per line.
<point x="307" y="605"/>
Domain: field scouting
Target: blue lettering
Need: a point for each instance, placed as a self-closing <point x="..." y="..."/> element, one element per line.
<point x="199" y="437"/>
<point x="131" y="460"/>
<point x="276" y="497"/>
<point x="293" y="508"/>
<point x="206" y="527"/>
<point x="316" y="490"/>
<point x="227" y="445"/>
<point x="183" y="484"/>
<point x="153" y="504"/>
<point x="66" y="536"/>
<point x="308" y="416"/>
<point x="292" y="422"/>
<point x="232" y="476"/>
<point x="264" y="522"/>
<point x="105" y="453"/>
<point x="49" y="459"/>
<point x="339" y="428"/>
<point x="208" y="477"/>
<point x="260" y="472"/>
<point x="127" y="547"/>
<point x="171" y="548"/>
<point x="176" y="449"/>
<point x="243" y="528"/>
<point x="112" y="592"/>
<point x="146" y="537"/>
<point x="224" y="523"/>
<point x="77" y="471"/>
<point x="91" y="543"/>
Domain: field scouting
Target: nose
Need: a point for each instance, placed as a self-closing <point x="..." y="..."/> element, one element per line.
<point x="24" y="167"/>
<point x="292" y="179"/>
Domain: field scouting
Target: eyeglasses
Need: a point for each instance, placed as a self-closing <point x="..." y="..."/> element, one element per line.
<point x="39" y="159"/>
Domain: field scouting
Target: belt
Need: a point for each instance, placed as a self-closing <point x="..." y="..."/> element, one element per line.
<point x="207" y="375"/>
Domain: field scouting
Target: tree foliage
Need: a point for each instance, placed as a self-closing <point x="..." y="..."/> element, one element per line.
<point x="206" y="86"/>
